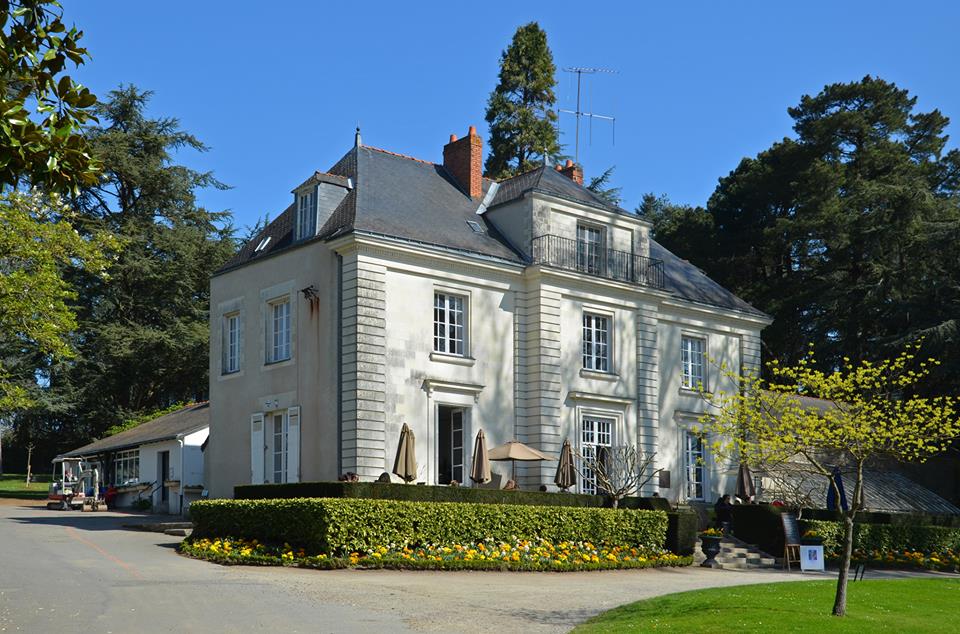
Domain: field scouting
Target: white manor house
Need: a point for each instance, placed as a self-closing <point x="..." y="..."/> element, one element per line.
<point x="395" y="290"/>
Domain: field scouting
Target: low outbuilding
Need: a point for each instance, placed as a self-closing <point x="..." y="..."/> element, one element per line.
<point x="160" y="461"/>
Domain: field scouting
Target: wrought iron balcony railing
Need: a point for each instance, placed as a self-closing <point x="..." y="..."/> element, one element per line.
<point x="590" y="258"/>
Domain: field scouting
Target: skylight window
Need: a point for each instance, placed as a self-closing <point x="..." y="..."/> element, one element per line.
<point x="263" y="245"/>
<point x="475" y="226"/>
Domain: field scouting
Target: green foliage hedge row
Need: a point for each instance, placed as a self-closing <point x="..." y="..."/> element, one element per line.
<point x="414" y="493"/>
<point x="876" y="517"/>
<point x="759" y="524"/>
<point x="886" y="537"/>
<point x="346" y="525"/>
<point x="682" y="528"/>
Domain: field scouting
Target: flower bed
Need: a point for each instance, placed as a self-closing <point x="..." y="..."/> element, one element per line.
<point x="944" y="561"/>
<point x="489" y="554"/>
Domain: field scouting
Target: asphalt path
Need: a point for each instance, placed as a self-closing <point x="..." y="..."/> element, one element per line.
<point x="67" y="571"/>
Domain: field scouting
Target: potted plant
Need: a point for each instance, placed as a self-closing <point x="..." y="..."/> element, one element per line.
<point x="811" y="538"/>
<point x="710" y="545"/>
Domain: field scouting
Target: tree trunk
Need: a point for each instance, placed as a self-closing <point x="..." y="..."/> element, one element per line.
<point x="29" y="460"/>
<point x="840" y="602"/>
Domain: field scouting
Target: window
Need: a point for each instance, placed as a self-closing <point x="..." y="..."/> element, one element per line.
<point x="307" y="214"/>
<point x="262" y="245"/>
<point x="231" y="343"/>
<point x="695" y="460"/>
<point x="126" y="467"/>
<point x="278" y="331"/>
<point x="596" y="438"/>
<point x="692" y="362"/>
<point x="589" y="249"/>
<point x="449" y="320"/>
<point x="278" y="448"/>
<point x="450" y="444"/>
<point x="596" y="346"/>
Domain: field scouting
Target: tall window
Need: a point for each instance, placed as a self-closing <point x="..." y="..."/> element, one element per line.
<point x="307" y="214"/>
<point x="231" y="343"/>
<point x="596" y="438"/>
<point x="126" y="467"/>
<point x="278" y="331"/>
<point x="692" y="351"/>
<point x="694" y="460"/>
<point x="450" y="444"/>
<point x="589" y="249"/>
<point x="449" y="321"/>
<point x="279" y="447"/>
<point x="596" y="346"/>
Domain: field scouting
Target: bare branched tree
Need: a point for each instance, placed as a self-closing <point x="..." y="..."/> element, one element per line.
<point x="618" y="471"/>
<point x="796" y="487"/>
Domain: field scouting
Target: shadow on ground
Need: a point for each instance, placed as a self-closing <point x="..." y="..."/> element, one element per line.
<point x="90" y="521"/>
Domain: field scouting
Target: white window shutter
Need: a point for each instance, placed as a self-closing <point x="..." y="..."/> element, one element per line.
<point x="293" y="444"/>
<point x="256" y="448"/>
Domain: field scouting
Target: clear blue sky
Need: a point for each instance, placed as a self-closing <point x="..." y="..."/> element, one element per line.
<point x="276" y="89"/>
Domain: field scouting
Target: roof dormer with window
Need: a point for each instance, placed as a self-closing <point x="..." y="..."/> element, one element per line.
<point x="315" y="201"/>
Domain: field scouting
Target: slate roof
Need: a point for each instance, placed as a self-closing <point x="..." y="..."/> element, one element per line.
<point x="407" y="198"/>
<point x="411" y="199"/>
<point x="166" y="427"/>
<point x="688" y="282"/>
<point x="884" y="490"/>
<point x="549" y="181"/>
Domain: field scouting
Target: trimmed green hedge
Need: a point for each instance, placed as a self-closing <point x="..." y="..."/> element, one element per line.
<point x="876" y="517"/>
<point x="886" y="537"/>
<point x="347" y="525"/>
<point x="682" y="528"/>
<point x="759" y="524"/>
<point x="414" y="493"/>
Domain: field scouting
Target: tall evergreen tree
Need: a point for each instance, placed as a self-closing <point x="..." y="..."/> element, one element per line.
<point x="848" y="235"/>
<point x="143" y="335"/>
<point x="520" y="109"/>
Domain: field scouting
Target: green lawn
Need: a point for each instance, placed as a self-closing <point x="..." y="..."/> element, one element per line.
<point x="898" y="605"/>
<point x="13" y="485"/>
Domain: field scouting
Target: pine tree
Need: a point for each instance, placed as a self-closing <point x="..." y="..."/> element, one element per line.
<point x="519" y="111"/>
<point x="143" y="334"/>
<point x="848" y="235"/>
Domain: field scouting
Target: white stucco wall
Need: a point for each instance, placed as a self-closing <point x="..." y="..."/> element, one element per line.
<point x="307" y="380"/>
<point x="418" y="380"/>
<point x="521" y="376"/>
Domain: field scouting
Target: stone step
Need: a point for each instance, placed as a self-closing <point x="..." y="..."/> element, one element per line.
<point x="737" y="555"/>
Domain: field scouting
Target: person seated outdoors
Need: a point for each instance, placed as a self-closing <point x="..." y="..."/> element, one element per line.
<point x="724" y="514"/>
<point x="511" y="485"/>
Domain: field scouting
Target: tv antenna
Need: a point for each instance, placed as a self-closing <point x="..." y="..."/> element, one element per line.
<point x="578" y="113"/>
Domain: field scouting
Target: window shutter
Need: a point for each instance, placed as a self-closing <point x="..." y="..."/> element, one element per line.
<point x="293" y="444"/>
<point x="256" y="448"/>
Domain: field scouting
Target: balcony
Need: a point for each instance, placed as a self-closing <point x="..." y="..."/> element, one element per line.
<point x="592" y="259"/>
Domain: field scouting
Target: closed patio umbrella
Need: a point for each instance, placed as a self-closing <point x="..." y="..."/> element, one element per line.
<point x="516" y="450"/>
<point x="832" y="495"/>
<point x="480" y="468"/>
<point x="566" y="471"/>
<point x="405" y="465"/>
<point x="745" y="488"/>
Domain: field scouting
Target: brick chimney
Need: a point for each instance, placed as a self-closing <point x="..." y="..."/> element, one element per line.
<point x="572" y="171"/>
<point x="463" y="159"/>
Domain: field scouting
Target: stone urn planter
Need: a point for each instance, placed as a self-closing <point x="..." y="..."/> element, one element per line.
<point x="710" y="545"/>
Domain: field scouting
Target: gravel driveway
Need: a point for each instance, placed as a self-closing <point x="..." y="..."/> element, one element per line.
<point x="81" y="572"/>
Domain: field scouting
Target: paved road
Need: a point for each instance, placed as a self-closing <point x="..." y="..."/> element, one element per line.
<point x="81" y="572"/>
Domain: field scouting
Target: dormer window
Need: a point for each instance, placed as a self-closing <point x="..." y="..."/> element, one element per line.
<point x="307" y="213"/>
